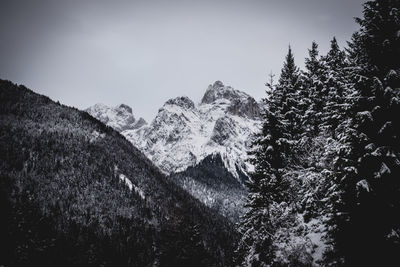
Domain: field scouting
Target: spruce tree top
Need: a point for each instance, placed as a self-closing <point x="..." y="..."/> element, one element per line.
<point x="335" y="58"/>
<point x="312" y="63"/>
<point x="290" y="72"/>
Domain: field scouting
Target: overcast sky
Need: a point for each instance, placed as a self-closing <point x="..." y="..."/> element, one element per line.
<point x="142" y="53"/>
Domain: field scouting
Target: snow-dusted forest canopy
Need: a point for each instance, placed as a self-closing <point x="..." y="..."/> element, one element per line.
<point x="310" y="176"/>
<point x="326" y="185"/>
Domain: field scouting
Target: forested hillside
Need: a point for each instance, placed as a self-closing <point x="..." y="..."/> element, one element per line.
<point x="74" y="192"/>
<point x="215" y="186"/>
<point x="326" y="185"/>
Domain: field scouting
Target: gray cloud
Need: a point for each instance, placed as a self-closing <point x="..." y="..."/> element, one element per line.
<point x="143" y="52"/>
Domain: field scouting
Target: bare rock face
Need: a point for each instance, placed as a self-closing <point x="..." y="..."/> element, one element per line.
<point x="122" y="108"/>
<point x="139" y="123"/>
<point x="224" y="129"/>
<point x="245" y="107"/>
<point x="241" y="104"/>
<point x="183" y="101"/>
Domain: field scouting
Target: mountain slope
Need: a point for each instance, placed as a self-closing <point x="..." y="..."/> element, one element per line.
<point x="75" y="192"/>
<point x="211" y="183"/>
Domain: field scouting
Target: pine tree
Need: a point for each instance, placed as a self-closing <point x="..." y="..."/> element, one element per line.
<point x="365" y="226"/>
<point x="290" y="97"/>
<point x="289" y="72"/>
<point x="313" y="63"/>
<point x="313" y="85"/>
<point x="335" y="58"/>
<point x="326" y="80"/>
<point x="268" y="188"/>
<point x="335" y="87"/>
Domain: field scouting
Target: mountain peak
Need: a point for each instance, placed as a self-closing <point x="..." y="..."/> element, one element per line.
<point x="220" y="91"/>
<point x="218" y="84"/>
<point x="125" y="107"/>
<point x="182" y="101"/>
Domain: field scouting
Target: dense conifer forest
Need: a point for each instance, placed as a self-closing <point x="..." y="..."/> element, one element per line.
<point x="327" y="160"/>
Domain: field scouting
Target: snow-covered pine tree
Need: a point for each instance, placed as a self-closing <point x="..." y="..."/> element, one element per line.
<point x="270" y="155"/>
<point x="335" y="90"/>
<point x="365" y="226"/>
<point x="313" y="63"/>
<point x="313" y="85"/>
<point x="289" y="86"/>
<point x="289" y="72"/>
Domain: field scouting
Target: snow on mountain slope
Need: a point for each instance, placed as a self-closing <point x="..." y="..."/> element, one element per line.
<point x="183" y="133"/>
<point x="120" y="117"/>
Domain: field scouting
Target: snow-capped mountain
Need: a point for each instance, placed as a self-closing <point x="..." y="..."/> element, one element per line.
<point x="183" y="133"/>
<point x="120" y="117"/>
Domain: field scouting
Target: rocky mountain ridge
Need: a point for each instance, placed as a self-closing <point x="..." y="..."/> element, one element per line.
<point x="183" y="133"/>
<point x="120" y="117"/>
